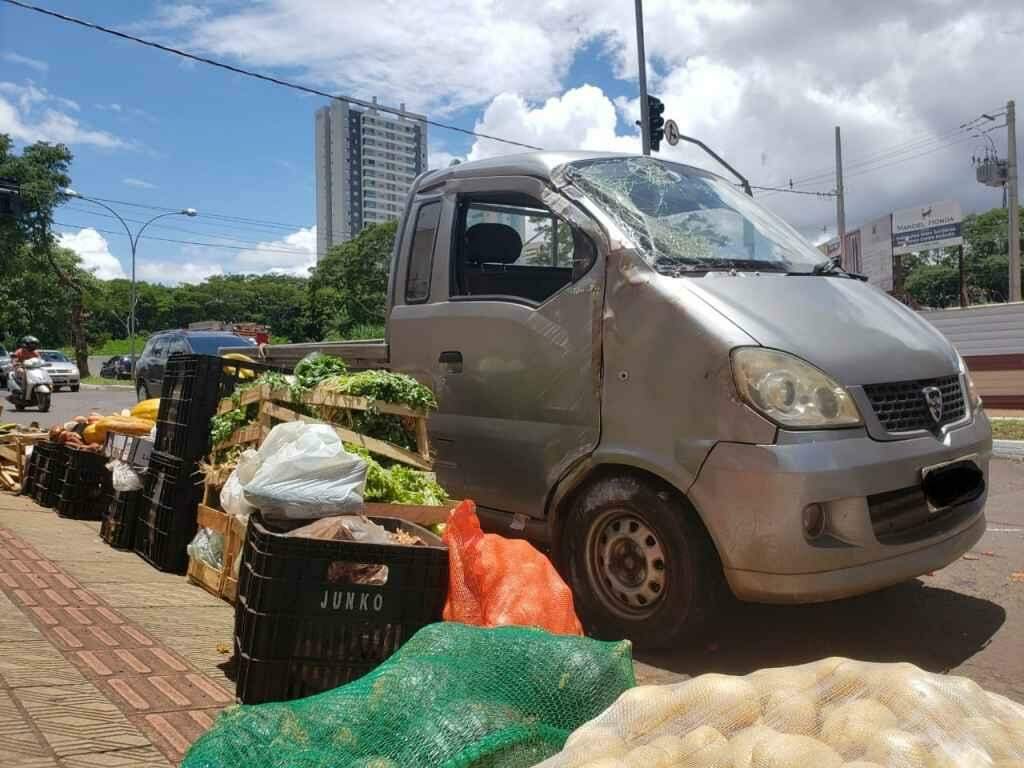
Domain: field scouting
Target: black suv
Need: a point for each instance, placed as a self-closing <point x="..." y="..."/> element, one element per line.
<point x="149" y="370"/>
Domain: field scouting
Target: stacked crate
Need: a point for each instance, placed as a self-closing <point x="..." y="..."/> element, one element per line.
<point x="85" y="490"/>
<point x="118" y="528"/>
<point x="48" y="475"/>
<point x="193" y="385"/>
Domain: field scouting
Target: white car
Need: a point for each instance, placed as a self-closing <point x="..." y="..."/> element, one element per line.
<point x="63" y="372"/>
<point x="5" y="366"/>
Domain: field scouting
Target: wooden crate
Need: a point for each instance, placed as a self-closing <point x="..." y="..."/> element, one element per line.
<point x="13" y="458"/>
<point x="277" y="406"/>
<point x="220" y="583"/>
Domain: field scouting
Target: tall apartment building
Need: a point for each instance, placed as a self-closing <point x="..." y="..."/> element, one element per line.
<point x="366" y="161"/>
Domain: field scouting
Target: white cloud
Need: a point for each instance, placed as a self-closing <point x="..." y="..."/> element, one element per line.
<point x="176" y="272"/>
<point x="432" y="54"/>
<point x="25" y="61"/>
<point x="582" y="118"/>
<point x="27" y="114"/>
<point x="138" y="183"/>
<point x="439" y="158"/>
<point x="292" y="255"/>
<point x="114" y="107"/>
<point x="94" y="251"/>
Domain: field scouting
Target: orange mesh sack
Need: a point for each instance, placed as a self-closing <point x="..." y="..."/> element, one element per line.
<point x="494" y="581"/>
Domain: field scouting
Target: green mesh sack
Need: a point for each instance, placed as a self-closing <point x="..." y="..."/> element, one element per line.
<point x="454" y="696"/>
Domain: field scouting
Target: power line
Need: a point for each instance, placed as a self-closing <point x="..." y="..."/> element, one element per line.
<point x="865" y="167"/>
<point x="794" y="192"/>
<point x="292" y="251"/>
<point x="210" y="233"/>
<point x="258" y="76"/>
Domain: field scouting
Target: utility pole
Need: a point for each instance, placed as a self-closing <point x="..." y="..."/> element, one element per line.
<point x="645" y="137"/>
<point x="963" y="281"/>
<point x="1013" y="199"/>
<point x="840" y="205"/>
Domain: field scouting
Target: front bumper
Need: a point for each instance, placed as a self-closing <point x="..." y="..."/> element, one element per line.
<point x="64" y="379"/>
<point x="752" y="500"/>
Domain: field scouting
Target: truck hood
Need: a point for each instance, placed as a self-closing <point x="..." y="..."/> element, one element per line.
<point x="852" y="331"/>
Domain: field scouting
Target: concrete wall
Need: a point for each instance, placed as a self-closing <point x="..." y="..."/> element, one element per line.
<point x="991" y="340"/>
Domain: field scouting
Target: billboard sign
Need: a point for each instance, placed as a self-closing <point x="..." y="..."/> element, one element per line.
<point x="876" y="252"/>
<point x="927" y="226"/>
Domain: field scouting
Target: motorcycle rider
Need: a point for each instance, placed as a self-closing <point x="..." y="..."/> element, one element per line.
<point x="28" y="348"/>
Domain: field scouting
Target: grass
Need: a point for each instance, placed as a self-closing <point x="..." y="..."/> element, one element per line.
<point x="108" y="382"/>
<point x="1008" y="429"/>
<point x="111" y="348"/>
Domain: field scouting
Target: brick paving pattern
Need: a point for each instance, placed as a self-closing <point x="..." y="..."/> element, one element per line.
<point x="88" y="676"/>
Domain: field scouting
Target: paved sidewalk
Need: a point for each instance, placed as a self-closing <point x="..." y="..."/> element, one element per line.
<point x="104" y="661"/>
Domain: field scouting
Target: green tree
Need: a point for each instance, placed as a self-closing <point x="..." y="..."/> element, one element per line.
<point x="348" y="288"/>
<point x="41" y="174"/>
<point x="933" y="277"/>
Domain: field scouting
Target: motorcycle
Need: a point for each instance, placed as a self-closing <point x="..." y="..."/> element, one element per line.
<point x="38" y="387"/>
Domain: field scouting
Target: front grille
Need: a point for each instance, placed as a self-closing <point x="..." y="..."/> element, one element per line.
<point x="903" y="516"/>
<point x="901" y="406"/>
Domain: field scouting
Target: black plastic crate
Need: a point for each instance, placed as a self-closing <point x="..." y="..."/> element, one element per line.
<point x="31" y="470"/>
<point x="166" y="515"/>
<point x="259" y="682"/>
<point x="193" y="386"/>
<point x="118" y="528"/>
<point x="86" y="488"/>
<point x="49" y="480"/>
<point x="302" y="626"/>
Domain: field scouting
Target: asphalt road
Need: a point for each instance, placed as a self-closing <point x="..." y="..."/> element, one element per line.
<point x="66" y="405"/>
<point x="965" y="619"/>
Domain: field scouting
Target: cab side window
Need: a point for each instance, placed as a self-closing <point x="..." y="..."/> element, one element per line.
<point x="516" y="249"/>
<point x="157" y="347"/>
<point x="421" y="256"/>
<point x="177" y="346"/>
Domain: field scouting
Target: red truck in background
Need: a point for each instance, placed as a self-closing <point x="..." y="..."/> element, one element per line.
<point x="258" y="333"/>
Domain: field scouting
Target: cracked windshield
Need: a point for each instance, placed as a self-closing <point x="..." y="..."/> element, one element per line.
<point x="685" y="220"/>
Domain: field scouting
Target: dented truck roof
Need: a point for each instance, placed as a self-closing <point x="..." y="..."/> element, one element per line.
<point x="537" y="164"/>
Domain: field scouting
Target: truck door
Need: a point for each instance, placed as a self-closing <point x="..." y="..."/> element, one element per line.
<point x="508" y="333"/>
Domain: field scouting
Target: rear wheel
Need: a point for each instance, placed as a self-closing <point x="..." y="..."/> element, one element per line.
<point x="639" y="562"/>
<point x="43" y="401"/>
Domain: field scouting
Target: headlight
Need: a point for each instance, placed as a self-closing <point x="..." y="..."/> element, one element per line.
<point x="972" y="392"/>
<point x="791" y="392"/>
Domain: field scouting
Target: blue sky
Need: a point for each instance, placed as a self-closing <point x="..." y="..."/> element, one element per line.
<point x="762" y="85"/>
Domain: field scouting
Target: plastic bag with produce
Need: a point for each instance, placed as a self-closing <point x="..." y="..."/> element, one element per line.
<point x="494" y="581"/>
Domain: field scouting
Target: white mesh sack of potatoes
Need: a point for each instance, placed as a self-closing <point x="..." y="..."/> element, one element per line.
<point x="834" y="713"/>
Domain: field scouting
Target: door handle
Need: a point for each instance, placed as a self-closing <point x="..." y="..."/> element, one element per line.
<point x="452" y="361"/>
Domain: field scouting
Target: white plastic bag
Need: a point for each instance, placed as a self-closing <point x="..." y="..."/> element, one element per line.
<point x="303" y="472"/>
<point x="208" y="546"/>
<point x="232" y="500"/>
<point x="123" y="477"/>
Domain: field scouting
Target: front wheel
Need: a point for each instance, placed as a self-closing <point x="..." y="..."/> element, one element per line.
<point x="75" y="387"/>
<point x="43" y="402"/>
<point x="639" y="562"/>
<point x="142" y="391"/>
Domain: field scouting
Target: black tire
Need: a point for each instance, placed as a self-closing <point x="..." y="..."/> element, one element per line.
<point x="142" y="391"/>
<point x="43" y="402"/>
<point x="75" y="387"/>
<point x="654" y="579"/>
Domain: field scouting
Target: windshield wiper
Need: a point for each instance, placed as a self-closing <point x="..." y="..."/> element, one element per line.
<point x="829" y="266"/>
<point x="674" y="267"/>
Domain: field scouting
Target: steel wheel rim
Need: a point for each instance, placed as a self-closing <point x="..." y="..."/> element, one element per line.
<point x="626" y="563"/>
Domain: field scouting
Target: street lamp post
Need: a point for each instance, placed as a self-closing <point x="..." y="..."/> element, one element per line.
<point x="133" y="240"/>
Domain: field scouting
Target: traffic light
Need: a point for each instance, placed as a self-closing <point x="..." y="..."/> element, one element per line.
<point x="655" y="121"/>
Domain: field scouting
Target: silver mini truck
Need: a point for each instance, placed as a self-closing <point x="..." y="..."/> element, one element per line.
<point x="645" y="370"/>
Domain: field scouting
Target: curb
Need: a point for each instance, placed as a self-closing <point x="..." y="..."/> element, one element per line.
<point x="1008" y="449"/>
<point x="107" y="387"/>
